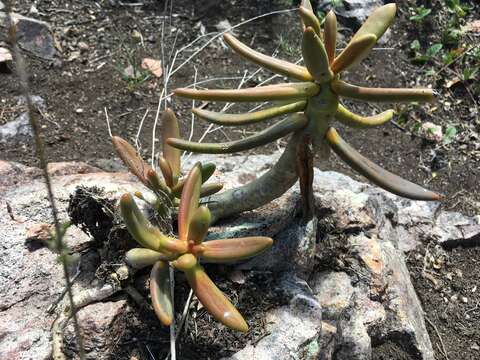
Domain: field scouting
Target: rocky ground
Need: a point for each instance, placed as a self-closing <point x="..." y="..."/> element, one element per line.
<point x="84" y="61"/>
<point x="333" y="288"/>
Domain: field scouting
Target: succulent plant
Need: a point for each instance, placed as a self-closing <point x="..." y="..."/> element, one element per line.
<point x="314" y="105"/>
<point x="185" y="252"/>
<point x="169" y="189"/>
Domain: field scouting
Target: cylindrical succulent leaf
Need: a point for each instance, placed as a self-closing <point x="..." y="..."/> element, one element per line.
<point x="210" y="189"/>
<point x="309" y="19"/>
<point x="307" y="5"/>
<point x="157" y="184"/>
<point x="355" y="52"/>
<point x="207" y="170"/>
<point x="166" y="171"/>
<point x="229" y="250"/>
<point x="131" y="159"/>
<point x="189" y="201"/>
<point x="139" y="258"/>
<point x="375" y="173"/>
<point x="170" y="129"/>
<point x="160" y="292"/>
<point x="137" y="225"/>
<point x="291" y="92"/>
<point x="394" y="95"/>
<point x="315" y="56"/>
<point x="274" y="132"/>
<point x="214" y="300"/>
<point x="356" y="121"/>
<point x="199" y="225"/>
<point x="144" y="232"/>
<point x="330" y="35"/>
<point x="249" y="118"/>
<point x="185" y="262"/>
<point x="277" y="66"/>
<point x="378" y="22"/>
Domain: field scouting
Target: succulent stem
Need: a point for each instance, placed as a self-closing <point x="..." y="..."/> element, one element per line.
<point x="248" y="118"/>
<point x="355" y="52"/>
<point x="356" y="121"/>
<point x="266" y="188"/>
<point x="309" y="20"/>
<point x="277" y="66"/>
<point x="160" y="292"/>
<point x="214" y="300"/>
<point x="375" y="173"/>
<point x="290" y="92"/>
<point x="330" y="35"/>
<point x="315" y="56"/>
<point x="382" y="94"/>
<point x="274" y="132"/>
<point x="229" y="250"/>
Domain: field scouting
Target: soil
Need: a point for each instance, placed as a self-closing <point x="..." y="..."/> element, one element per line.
<point x="448" y="287"/>
<point x="99" y="40"/>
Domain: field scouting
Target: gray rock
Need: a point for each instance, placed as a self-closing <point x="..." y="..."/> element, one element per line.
<point x="1" y="6"/>
<point x="110" y="165"/>
<point x="334" y="292"/>
<point x="5" y="55"/>
<point x="102" y="324"/>
<point x="31" y="279"/>
<point x="361" y="296"/>
<point x="19" y="129"/>
<point x="353" y="13"/>
<point x="293" y="330"/>
<point x="295" y="246"/>
<point x="353" y="340"/>
<point x="37" y="101"/>
<point x="35" y="36"/>
<point x="16" y="130"/>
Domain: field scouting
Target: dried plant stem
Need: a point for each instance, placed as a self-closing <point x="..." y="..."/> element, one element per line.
<point x="40" y="150"/>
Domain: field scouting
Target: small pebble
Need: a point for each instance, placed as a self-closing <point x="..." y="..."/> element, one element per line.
<point x="79" y="111"/>
<point x="464" y="300"/>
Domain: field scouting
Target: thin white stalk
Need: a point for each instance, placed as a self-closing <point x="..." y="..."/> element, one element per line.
<point x="157" y="116"/>
<point x="108" y="121"/>
<point x="227" y="30"/>
<point x="137" y="145"/>
<point x="192" y="122"/>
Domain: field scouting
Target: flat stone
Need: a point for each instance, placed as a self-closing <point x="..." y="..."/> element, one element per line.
<point x="102" y="325"/>
<point x="31" y="279"/>
<point x="35" y="36"/>
<point x="37" y="101"/>
<point x="16" y="130"/>
<point x="5" y="55"/>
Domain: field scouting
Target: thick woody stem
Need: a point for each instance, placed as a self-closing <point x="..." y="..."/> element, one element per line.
<point x="261" y="191"/>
